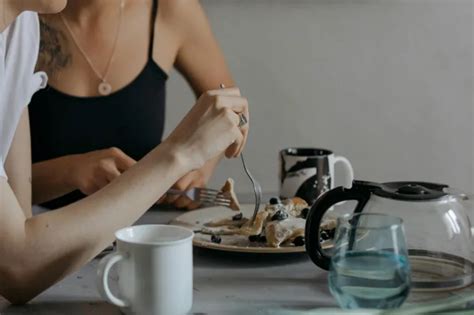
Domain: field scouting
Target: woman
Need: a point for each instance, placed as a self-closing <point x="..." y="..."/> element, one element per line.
<point x="108" y="62"/>
<point x="38" y="251"/>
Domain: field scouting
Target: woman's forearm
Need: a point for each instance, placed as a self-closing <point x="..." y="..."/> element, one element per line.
<point x="58" y="242"/>
<point x="39" y="251"/>
<point x="49" y="179"/>
<point x="18" y="164"/>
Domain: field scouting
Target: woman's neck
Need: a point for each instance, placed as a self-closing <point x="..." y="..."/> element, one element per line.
<point x="8" y="13"/>
<point x="81" y="12"/>
<point x="10" y="9"/>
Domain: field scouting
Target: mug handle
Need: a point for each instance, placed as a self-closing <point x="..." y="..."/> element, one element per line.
<point x="348" y="167"/>
<point x="103" y="278"/>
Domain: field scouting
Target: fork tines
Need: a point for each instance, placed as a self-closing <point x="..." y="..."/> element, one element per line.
<point x="213" y="197"/>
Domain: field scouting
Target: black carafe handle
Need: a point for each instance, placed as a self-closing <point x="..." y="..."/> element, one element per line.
<point x="316" y="214"/>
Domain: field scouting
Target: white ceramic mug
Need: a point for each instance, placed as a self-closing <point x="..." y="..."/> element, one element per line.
<point x="155" y="268"/>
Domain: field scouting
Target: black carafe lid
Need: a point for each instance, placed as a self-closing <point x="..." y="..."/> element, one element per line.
<point x="408" y="191"/>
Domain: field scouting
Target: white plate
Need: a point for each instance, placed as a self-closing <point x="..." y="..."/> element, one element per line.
<point x="195" y="220"/>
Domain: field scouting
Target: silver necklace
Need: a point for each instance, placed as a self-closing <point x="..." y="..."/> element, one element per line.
<point x="104" y="87"/>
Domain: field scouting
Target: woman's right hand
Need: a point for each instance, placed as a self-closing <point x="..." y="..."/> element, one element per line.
<point x="90" y="172"/>
<point x="211" y="127"/>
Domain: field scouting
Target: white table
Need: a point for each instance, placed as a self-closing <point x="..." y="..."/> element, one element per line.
<point x="224" y="283"/>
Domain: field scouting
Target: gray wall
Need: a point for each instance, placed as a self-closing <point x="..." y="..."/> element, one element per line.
<point x="386" y="83"/>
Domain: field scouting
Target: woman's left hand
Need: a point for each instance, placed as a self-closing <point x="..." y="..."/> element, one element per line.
<point x="197" y="178"/>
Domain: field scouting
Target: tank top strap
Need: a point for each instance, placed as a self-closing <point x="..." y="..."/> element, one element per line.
<point x="154" y="14"/>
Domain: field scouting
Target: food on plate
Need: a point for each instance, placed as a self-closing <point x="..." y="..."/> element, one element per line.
<point x="229" y="189"/>
<point x="299" y="241"/>
<point x="258" y="238"/>
<point x="257" y="226"/>
<point x="328" y="230"/>
<point x="237" y="220"/>
<point x="275" y="201"/>
<point x="216" y="239"/>
<point x="304" y="213"/>
<point x="296" y="205"/>
<point x="278" y="223"/>
<point x="278" y="232"/>
<point x="221" y="230"/>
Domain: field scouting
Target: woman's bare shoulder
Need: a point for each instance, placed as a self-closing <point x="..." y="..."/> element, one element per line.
<point x="186" y="18"/>
<point x="176" y="10"/>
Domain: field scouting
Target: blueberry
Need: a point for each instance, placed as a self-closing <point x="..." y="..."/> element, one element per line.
<point x="280" y="215"/>
<point x="324" y="235"/>
<point x="331" y="233"/>
<point x="237" y="217"/>
<point x="299" y="241"/>
<point x="275" y="201"/>
<point x="257" y="238"/>
<point x="216" y="239"/>
<point x="304" y="213"/>
<point x="253" y="238"/>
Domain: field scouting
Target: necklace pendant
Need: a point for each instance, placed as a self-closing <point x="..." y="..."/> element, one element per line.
<point x="104" y="88"/>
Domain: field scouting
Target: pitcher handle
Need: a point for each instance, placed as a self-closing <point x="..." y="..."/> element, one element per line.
<point x="316" y="214"/>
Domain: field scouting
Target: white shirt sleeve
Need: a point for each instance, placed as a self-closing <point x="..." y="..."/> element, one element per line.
<point x="19" y="46"/>
<point x="2" y="119"/>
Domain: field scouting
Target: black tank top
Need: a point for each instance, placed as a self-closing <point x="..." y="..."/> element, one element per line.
<point x="131" y="119"/>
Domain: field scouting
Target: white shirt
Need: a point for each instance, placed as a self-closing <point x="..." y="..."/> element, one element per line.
<point x="19" y="46"/>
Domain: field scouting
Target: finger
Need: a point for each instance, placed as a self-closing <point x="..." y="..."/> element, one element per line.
<point x="183" y="184"/>
<point x="101" y="182"/>
<point x="161" y="200"/>
<point x="242" y="144"/>
<point x="232" y="116"/>
<point x="111" y="171"/>
<point x="90" y="189"/>
<point x="233" y="150"/>
<point x="123" y="161"/>
<point x="101" y="178"/>
<point x="112" y="174"/>
<point x="193" y="205"/>
<point x="245" y="132"/>
<point x="170" y="198"/>
<point x="235" y="103"/>
<point x="182" y="202"/>
<point x="233" y="91"/>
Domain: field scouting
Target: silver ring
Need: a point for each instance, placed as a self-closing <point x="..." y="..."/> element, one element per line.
<point x="242" y="120"/>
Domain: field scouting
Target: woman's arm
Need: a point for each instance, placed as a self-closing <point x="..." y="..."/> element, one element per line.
<point x="50" y="179"/>
<point x="88" y="172"/>
<point x="201" y="61"/>
<point x="18" y="164"/>
<point x="39" y="251"/>
<point x="199" y="57"/>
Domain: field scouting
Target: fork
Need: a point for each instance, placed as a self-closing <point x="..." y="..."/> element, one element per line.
<point x="256" y="188"/>
<point x="206" y="197"/>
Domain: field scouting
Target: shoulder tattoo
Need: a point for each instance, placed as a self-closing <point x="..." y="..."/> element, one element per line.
<point x="54" y="53"/>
